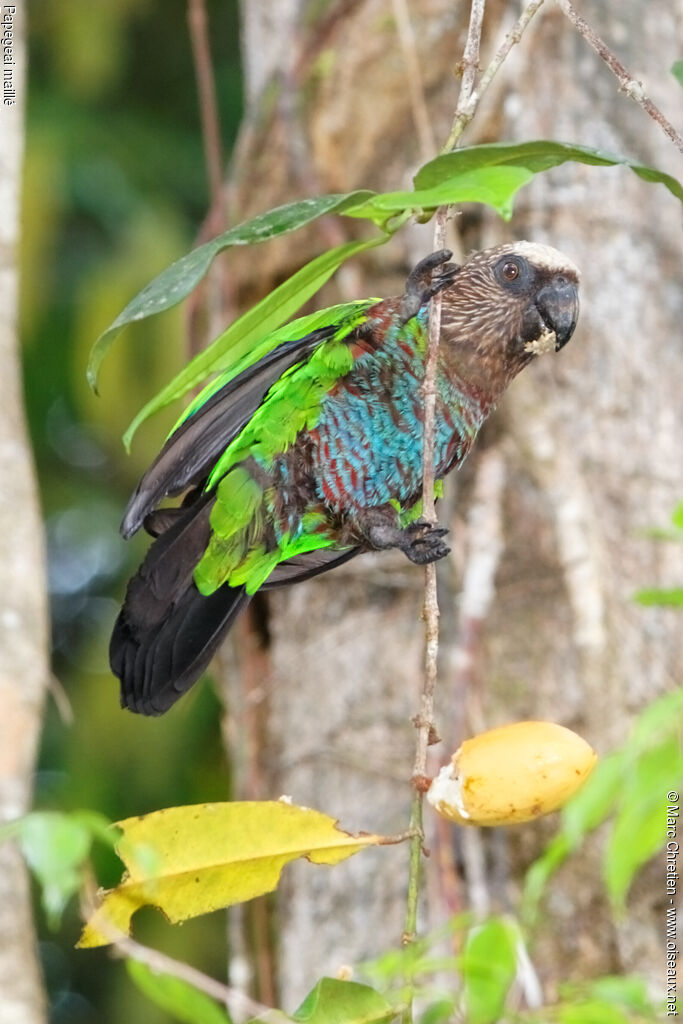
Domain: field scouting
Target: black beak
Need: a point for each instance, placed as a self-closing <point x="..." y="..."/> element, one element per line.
<point x="558" y="306"/>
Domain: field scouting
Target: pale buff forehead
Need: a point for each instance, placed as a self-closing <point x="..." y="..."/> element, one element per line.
<point x="540" y="256"/>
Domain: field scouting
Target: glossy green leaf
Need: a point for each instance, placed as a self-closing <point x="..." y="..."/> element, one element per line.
<point x="495" y="186"/>
<point x="260" y="320"/>
<point x="537" y="156"/>
<point x="677" y="71"/>
<point x="488" y="966"/>
<point x="344" y="1002"/>
<point x="178" y="998"/>
<point x="176" y="282"/>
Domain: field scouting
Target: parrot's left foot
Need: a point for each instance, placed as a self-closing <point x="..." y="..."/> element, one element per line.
<point x="421" y="542"/>
<point x="424" y="281"/>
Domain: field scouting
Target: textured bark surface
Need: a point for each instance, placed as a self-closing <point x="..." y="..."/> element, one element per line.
<point x="23" y="619"/>
<point x="548" y="538"/>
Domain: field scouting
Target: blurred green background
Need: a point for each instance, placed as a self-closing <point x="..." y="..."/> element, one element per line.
<point x="114" y="190"/>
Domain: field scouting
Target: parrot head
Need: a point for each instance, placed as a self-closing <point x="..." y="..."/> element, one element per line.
<point x="506" y="306"/>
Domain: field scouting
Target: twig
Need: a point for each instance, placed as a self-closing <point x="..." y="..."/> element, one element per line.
<point x="424" y="721"/>
<point x="466" y="111"/>
<point x="236" y="1002"/>
<point x="469" y="67"/>
<point x="421" y="119"/>
<point x="627" y="83"/>
<point x="208" y="107"/>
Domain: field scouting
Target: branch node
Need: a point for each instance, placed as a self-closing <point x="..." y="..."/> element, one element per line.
<point x="421" y="783"/>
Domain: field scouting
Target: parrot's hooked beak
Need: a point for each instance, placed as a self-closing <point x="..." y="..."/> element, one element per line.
<point x="558" y="306"/>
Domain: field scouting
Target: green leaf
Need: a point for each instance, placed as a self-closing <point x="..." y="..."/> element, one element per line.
<point x="344" y="1002"/>
<point x="536" y="156"/>
<point x="627" y="991"/>
<point x="637" y="833"/>
<point x="494" y="186"/>
<point x="590" y="1012"/>
<point x="56" y="847"/>
<point x="176" y="282"/>
<point x="596" y="800"/>
<point x="488" y="966"/>
<point x="584" y="812"/>
<point x="260" y="320"/>
<point x="677" y="71"/>
<point x="671" y="597"/>
<point x="658" y="721"/>
<point x="677" y="516"/>
<point x="178" y="998"/>
<point x="440" y="1012"/>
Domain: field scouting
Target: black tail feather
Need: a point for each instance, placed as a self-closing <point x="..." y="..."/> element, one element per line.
<point x="167" y="632"/>
<point x="158" y="665"/>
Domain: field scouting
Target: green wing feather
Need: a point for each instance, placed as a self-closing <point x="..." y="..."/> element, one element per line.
<point x="346" y="314"/>
<point x="237" y="553"/>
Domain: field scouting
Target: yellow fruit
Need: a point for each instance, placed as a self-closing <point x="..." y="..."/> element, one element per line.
<point x="511" y="774"/>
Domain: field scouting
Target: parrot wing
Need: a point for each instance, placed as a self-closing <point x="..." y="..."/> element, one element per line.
<point x="226" y="405"/>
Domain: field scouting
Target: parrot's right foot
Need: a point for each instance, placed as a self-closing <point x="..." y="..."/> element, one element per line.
<point x="425" y="280"/>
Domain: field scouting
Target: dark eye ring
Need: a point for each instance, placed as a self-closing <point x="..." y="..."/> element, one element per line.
<point x="510" y="271"/>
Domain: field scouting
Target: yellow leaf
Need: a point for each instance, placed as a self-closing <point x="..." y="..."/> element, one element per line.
<point x="191" y="860"/>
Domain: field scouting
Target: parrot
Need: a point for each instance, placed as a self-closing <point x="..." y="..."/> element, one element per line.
<point x="308" y="451"/>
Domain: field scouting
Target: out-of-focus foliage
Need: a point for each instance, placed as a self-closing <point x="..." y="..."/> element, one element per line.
<point x="114" y="189"/>
<point x="671" y="597"/>
<point x="179" y="999"/>
<point x="57" y="849"/>
<point x="628" y="788"/>
<point x="485" y="969"/>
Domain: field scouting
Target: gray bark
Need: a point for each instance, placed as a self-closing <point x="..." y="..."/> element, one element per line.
<point x="584" y="452"/>
<point x="23" y="617"/>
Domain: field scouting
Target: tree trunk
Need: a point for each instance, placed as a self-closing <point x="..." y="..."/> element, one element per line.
<point x="546" y="517"/>
<point x="23" y="617"/>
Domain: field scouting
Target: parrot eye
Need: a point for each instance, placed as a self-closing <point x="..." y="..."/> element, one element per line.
<point x="513" y="272"/>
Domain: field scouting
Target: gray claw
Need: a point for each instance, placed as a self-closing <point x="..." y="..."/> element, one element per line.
<point x="424" y="543"/>
<point x="424" y="281"/>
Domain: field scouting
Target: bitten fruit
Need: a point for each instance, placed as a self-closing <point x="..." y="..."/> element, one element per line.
<point x="512" y="774"/>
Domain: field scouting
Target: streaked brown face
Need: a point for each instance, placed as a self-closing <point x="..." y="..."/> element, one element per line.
<point x="549" y="298"/>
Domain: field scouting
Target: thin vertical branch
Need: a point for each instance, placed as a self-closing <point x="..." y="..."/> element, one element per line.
<point x="468" y="101"/>
<point x="467" y="108"/>
<point x="208" y="106"/>
<point x="424" y="721"/>
<point x="418" y="104"/>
